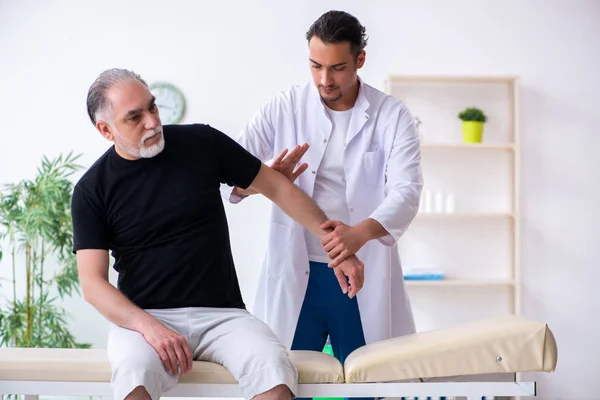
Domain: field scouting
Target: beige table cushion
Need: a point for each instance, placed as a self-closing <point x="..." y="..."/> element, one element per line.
<point x="91" y="365"/>
<point x="496" y="345"/>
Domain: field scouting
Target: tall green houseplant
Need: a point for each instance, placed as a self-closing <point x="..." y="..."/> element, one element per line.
<point x="36" y="228"/>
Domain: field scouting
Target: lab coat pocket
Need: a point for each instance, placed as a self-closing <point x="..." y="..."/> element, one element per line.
<point x="371" y="168"/>
<point x="280" y="241"/>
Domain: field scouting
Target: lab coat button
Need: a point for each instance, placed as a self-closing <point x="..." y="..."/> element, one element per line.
<point x="324" y="140"/>
<point x="313" y="172"/>
<point x="352" y="210"/>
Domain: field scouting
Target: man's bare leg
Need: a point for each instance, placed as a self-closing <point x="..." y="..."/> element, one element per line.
<point x="279" y="392"/>
<point x="139" y="393"/>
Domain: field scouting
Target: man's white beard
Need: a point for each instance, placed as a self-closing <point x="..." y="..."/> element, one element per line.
<point x="156" y="148"/>
<point x="140" y="150"/>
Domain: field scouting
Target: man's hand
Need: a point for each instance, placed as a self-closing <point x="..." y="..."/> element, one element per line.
<point x="171" y="347"/>
<point x="342" y="242"/>
<point x="286" y="165"/>
<point x="353" y="270"/>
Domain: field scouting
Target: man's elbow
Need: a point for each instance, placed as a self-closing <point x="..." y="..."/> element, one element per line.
<point x="270" y="183"/>
<point x="89" y="287"/>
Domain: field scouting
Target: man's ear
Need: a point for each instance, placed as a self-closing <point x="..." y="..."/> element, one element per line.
<point x="360" y="60"/>
<point x="105" y="130"/>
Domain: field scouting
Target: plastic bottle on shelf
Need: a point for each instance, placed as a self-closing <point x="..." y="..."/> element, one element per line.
<point x="450" y="206"/>
<point x="427" y="202"/>
<point x="439" y="202"/>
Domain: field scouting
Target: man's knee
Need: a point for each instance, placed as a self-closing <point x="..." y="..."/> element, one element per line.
<point x="134" y="379"/>
<point x="274" y="356"/>
<point x="279" y="392"/>
<point x="139" y="393"/>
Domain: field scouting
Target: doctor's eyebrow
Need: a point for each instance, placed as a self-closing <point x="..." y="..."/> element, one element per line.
<point x="331" y="66"/>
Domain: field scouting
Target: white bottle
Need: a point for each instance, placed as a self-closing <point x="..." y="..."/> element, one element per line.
<point x="450" y="206"/>
<point x="427" y="202"/>
<point x="438" y="203"/>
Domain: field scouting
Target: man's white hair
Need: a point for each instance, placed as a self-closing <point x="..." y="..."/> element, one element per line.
<point x="98" y="105"/>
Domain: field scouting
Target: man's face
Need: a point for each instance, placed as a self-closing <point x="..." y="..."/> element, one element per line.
<point x="135" y="128"/>
<point x="334" y="70"/>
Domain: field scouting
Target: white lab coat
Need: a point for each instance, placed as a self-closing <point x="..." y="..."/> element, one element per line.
<point x="383" y="182"/>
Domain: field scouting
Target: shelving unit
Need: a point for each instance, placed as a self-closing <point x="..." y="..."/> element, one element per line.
<point x="478" y="245"/>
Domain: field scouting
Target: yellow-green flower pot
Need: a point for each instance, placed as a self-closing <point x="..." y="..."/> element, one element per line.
<point x="472" y="131"/>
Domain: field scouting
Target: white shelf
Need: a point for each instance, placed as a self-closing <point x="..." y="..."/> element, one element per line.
<point x="461" y="283"/>
<point x="442" y="216"/>
<point x="478" y="246"/>
<point x="451" y="79"/>
<point x="467" y="146"/>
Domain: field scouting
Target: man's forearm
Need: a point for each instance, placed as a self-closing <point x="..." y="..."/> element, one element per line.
<point x="114" y="306"/>
<point x="299" y="206"/>
<point x="292" y="200"/>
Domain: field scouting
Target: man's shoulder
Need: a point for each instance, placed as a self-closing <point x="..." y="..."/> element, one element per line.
<point x="181" y="130"/>
<point x="188" y="134"/>
<point x="90" y="178"/>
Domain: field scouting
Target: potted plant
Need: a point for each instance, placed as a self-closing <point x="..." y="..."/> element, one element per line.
<point x="35" y="229"/>
<point x="472" y="124"/>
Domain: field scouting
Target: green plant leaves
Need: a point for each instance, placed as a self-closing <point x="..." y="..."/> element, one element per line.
<point x="35" y="220"/>
<point x="472" y="114"/>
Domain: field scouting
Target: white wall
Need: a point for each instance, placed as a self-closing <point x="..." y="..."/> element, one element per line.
<point x="231" y="56"/>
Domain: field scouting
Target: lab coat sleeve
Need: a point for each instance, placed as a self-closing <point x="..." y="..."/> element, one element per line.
<point x="257" y="137"/>
<point x="404" y="180"/>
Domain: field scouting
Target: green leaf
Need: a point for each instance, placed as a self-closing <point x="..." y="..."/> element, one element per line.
<point x="35" y="214"/>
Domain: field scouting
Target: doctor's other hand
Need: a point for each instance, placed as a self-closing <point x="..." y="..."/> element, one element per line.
<point x="285" y="164"/>
<point x="350" y="271"/>
<point x="342" y="242"/>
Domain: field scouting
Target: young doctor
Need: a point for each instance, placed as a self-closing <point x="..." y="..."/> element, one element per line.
<point x="362" y="158"/>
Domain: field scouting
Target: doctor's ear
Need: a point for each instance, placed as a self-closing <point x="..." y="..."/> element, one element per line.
<point x="360" y="60"/>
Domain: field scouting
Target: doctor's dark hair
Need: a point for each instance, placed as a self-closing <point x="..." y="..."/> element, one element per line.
<point x="98" y="104"/>
<point x="339" y="26"/>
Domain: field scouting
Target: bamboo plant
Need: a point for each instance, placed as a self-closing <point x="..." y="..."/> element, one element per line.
<point x="35" y="229"/>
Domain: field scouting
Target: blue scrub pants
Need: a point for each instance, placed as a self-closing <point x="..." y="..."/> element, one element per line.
<point x="327" y="311"/>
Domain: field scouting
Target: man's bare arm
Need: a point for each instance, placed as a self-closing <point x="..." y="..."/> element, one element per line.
<point x="108" y="300"/>
<point x="300" y="207"/>
<point x="291" y="199"/>
<point x="114" y="306"/>
<point x="285" y="163"/>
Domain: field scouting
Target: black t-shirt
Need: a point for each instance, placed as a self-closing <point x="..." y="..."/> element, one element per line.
<point x="163" y="218"/>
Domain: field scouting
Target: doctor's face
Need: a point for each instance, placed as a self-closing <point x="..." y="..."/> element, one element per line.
<point x="334" y="70"/>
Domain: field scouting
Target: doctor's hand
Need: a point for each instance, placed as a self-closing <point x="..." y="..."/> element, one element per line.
<point x="286" y="165"/>
<point x="342" y="242"/>
<point x="172" y="348"/>
<point x="351" y="270"/>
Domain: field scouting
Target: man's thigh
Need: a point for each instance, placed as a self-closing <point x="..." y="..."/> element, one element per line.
<point x="135" y="363"/>
<point x="246" y="346"/>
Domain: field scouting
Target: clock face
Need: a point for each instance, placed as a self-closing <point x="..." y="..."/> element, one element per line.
<point x="170" y="102"/>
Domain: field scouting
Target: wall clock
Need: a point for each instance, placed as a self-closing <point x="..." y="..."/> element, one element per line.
<point x="170" y="102"/>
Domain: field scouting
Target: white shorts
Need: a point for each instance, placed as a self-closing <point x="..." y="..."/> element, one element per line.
<point x="234" y="338"/>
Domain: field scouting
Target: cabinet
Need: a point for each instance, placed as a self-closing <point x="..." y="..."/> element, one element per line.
<point x="472" y="239"/>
